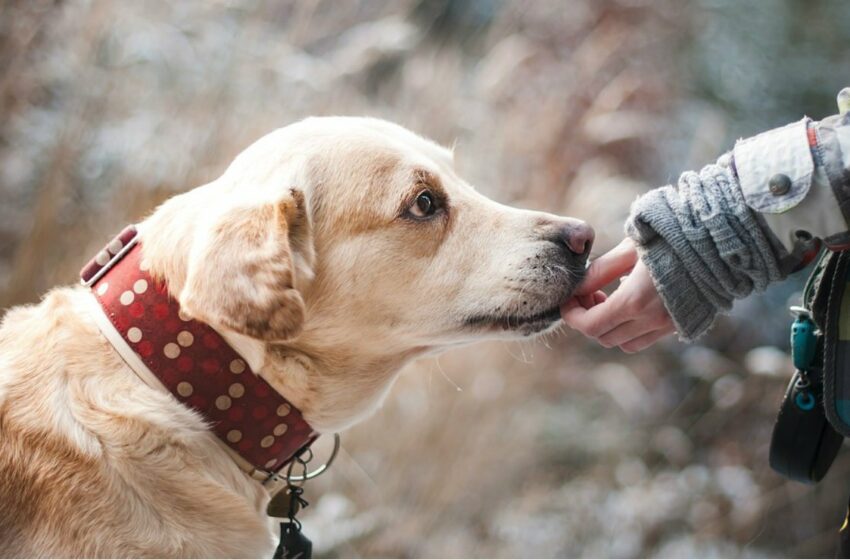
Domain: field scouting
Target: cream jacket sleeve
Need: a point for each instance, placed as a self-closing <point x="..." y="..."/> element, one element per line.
<point x="798" y="178"/>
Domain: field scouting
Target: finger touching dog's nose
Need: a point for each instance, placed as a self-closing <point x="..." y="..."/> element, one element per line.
<point x="578" y="237"/>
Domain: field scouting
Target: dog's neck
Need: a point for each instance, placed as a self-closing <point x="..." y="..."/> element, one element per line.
<point x="333" y="394"/>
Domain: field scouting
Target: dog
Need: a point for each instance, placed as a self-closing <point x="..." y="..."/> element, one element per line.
<point x="329" y="254"/>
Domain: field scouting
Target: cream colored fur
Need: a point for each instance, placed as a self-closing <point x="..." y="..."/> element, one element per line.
<point x="305" y="256"/>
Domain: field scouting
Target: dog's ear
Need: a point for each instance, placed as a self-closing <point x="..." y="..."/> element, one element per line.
<point x="241" y="271"/>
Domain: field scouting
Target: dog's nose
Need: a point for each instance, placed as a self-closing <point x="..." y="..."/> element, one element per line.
<point x="578" y="237"/>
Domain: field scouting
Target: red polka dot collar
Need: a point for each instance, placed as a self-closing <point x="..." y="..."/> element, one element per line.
<point x="193" y="361"/>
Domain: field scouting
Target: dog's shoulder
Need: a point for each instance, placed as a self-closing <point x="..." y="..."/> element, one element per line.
<point x="92" y="452"/>
<point x="41" y="466"/>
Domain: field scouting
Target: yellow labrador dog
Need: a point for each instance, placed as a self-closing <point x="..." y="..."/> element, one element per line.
<point x="329" y="254"/>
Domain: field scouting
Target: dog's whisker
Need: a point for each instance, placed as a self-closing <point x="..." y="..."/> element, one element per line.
<point x="510" y="352"/>
<point x="446" y="377"/>
<point x="523" y="359"/>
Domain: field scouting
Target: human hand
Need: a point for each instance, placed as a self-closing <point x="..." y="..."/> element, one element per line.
<point x="633" y="317"/>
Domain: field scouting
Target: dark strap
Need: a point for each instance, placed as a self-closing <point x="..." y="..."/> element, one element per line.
<point x="836" y="335"/>
<point x="816" y="292"/>
<point x="825" y="293"/>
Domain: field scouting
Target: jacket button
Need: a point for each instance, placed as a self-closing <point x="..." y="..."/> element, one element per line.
<point x="779" y="184"/>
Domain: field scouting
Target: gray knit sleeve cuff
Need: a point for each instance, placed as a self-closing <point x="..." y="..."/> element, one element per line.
<point x="691" y="314"/>
<point x="703" y="246"/>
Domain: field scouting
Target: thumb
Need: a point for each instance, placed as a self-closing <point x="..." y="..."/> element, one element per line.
<point x="618" y="261"/>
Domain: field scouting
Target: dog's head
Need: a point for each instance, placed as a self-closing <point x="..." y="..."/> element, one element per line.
<point x="352" y="237"/>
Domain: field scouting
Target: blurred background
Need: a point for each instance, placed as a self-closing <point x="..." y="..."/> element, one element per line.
<point x="548" y="448"/>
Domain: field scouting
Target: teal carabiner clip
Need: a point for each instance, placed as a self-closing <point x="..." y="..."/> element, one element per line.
<point x="804" y="341"/>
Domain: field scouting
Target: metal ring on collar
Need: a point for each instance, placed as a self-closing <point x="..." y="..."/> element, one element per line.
<point x="313" y="474"/>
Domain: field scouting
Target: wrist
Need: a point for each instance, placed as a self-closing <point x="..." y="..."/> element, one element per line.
<point x="691" y="312"/>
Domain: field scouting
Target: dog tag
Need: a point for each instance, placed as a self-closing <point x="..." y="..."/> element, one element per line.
<point x="282" y="505"/>
<point x="293" y="543"/>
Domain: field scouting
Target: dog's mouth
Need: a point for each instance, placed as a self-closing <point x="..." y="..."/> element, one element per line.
<point x="525" y="324"/>
<point x="528" y="324"/>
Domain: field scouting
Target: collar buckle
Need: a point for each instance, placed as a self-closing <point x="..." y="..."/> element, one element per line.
<point x="109" y="256"/>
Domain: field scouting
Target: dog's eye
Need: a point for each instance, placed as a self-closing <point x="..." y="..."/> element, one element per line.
<point x="425" y="205"/>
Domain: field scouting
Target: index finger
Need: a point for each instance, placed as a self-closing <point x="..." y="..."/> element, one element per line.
<point x="609" y="267"/>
